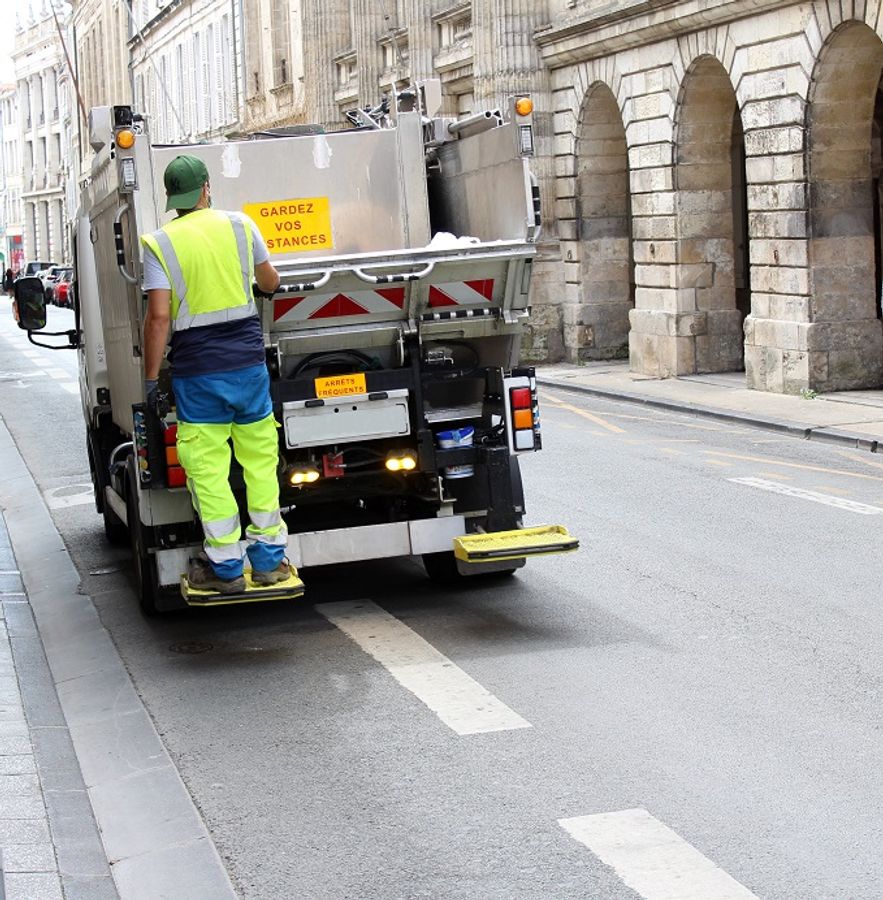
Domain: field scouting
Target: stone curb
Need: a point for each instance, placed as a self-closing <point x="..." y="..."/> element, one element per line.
<point x="822" y="433"/>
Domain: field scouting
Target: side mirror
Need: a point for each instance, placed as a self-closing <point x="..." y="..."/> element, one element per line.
<point x="30" y="304"/>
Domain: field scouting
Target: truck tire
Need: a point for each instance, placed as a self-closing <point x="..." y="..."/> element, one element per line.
<point x="146" y="581"/>
<point x="442" y="569"/>
<point x="115" y="529"/>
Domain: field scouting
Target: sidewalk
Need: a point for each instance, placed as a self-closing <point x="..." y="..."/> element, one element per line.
<point x="853" y="418"/>
<point x="49" y="843"/>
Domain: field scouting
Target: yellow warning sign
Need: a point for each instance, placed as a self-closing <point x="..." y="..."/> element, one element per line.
<point x="293" y="226"/>
<point x="341" y="386"/>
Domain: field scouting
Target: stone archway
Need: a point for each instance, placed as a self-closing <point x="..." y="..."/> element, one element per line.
<point x="597" y="327"/>
<point x="845" y="119"/>
<point x="712" y="221"/>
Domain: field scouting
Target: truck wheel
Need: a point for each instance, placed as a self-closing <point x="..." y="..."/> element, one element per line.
<point x="115" y="529"/>
<point x="442" y="569"/>
<point x="142" y="562"/>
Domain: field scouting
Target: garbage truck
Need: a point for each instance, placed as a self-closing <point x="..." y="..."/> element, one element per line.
<point x="404" y="246"/>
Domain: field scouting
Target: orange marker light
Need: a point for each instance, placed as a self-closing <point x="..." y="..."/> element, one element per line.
<point x="125" y="139"/>
<point x="524" y="106"/>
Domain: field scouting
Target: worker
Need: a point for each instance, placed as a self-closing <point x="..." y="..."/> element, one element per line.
<point x="198" y="273"/>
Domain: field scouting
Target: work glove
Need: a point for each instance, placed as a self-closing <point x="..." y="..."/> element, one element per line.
<point x="157" y="400"/>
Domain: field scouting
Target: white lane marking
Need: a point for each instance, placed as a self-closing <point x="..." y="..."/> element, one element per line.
<point x="59" y="374"/>
<point x="71" y="387"/>
<point x="69" y="495"/>
<point x="31" y="354"/>
<point x="837" y="502"/>
<point x="652" y="859"/>
<point x="456" y="698"/>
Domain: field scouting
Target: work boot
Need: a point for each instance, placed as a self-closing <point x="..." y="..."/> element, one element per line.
<point x="282" y="572"/>
<point x="202" y="576"/>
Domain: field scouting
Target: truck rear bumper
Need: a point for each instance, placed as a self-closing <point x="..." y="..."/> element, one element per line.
<point x="342" y="545"/>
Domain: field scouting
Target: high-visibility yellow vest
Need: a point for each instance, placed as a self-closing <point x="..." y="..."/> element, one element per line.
<point x="208" y="256"/>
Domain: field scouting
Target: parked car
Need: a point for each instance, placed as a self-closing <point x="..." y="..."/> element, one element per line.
<point x="49" y="276"/>
<point x="59" y="292"/>
<point x="34" y="267"/>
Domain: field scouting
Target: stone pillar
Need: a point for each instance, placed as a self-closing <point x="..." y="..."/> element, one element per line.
<point x="419" y="23"/>
<point x="814" y="324"/>
<point x="326" y="32"/>
<point x="664" y="321"/>
<point x="368" y="25"/>
<point x="507" y="61"/>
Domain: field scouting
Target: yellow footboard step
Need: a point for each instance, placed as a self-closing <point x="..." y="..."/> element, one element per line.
<point x="518" y="544"/>
<point x="290" y="589"/>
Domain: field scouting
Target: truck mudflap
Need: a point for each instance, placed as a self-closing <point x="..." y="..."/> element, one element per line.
<point x="290" y="589"/>
<point x="521" y="543"/>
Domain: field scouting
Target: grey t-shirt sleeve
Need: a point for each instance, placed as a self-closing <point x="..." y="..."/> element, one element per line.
<point x="153" y="275"/>
<point x="259" y="245"/>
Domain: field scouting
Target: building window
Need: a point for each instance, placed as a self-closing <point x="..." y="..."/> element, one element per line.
<point x="281" y="42"/>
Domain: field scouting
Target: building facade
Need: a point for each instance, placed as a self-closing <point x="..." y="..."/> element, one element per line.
<point x="11" y="217"/>
<point x="710" y="174"/>
<point x="186" y="62"/>
<point x="718" y="194"/>
<point x="39" y="68"/>
<point x="273" y="64"/>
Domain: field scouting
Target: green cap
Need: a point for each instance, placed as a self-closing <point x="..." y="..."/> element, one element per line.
<point x="184" y="178"/>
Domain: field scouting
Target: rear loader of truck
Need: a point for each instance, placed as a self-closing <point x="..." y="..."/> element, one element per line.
<point x="404" y="250"/>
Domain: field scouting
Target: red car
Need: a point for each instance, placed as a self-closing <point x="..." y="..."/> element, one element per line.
<point x="60" y="293"/>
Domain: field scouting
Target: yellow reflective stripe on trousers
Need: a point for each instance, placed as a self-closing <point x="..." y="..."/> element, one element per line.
<point x="220" y="530"/>
<point x="223" y="553"/>
<point x="265" y="521"/>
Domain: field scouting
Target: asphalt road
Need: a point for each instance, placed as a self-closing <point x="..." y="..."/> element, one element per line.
<point x="711" y="656"/>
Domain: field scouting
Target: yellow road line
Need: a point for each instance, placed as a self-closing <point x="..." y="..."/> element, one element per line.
<point x="776" y="462"/>
<point x="590" y="416"/>
<point x="860" y="456"/>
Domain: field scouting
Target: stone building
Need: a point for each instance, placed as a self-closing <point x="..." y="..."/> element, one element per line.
<point x="101" y="29"/>
<point x="186" y="63"/>
<point x="710" y="172"/>
<point x="39" y="69"/>
<point x="718" y="187"/>
<point x="273" y="64"/>
<point x="11" y="215"/>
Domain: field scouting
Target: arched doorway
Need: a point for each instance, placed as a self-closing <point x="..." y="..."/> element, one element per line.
<point x="712" y="204"/>
<point x="845" y="121"/>
<point x="607" y="271"/>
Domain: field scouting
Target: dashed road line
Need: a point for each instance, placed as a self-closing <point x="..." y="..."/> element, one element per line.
<point x="653" y="860"/>
<point x="814" y="496"/>
<point x="455" y="697"/>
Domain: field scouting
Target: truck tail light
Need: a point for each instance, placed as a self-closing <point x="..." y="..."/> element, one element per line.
<point x="522" y="411"/>
<point x="175" y="476"/>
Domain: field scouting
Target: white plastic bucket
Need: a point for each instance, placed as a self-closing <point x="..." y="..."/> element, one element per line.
<point x="449" y="440"/>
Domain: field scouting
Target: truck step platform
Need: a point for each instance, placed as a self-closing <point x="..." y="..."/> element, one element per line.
<point x="290" y="589"/>
<point x="518" y="544"/>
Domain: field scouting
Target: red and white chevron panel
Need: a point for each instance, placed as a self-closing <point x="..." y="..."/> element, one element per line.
<point x="334" y="306"/>
<point x="462" y="293"/>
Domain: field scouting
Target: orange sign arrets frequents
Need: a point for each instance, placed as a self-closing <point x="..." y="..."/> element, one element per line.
<point x="340" y="386"/>
<point x="293" y="226"/>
